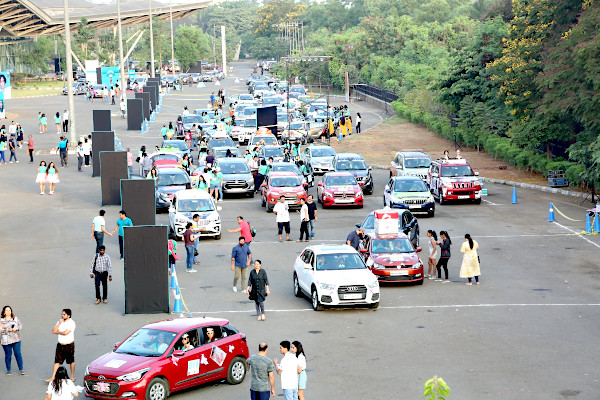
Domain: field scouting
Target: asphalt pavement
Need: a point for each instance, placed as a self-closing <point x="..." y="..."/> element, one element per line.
<point x="528" y="331"/>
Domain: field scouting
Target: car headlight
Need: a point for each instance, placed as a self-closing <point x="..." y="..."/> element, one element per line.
<point x="326" y="286"/>
<point x="417" y="265"/>
<point x="328" y="194"/>
<point x="378" y="266"/>
<point x="358" y="194"/>
<point x="133" y="376"/>
<point x="181" y="219"/>
<point x="373" y="284"/>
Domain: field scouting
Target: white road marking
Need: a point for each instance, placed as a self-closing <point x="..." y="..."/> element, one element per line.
<point x="578" y="235"/>
<point x="492" y="204"/>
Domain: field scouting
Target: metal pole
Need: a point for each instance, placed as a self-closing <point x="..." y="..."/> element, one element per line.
<point x="69" y="73"/>
<point x="172" y="41"/>
<point x="287" y="93"/>
<point x="123" y="85"/>
<point x="223" y="50"/>
<point x="152" y="73"/>
<point x="214" y="48"/>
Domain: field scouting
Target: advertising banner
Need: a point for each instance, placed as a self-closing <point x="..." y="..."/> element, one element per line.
<point x="110" y="75"/>
<point x="5" y="92"/>
<point x="90" y="71"/>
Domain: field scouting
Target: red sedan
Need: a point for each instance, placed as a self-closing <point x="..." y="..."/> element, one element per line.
<point x="167" y="356"/>
<point x="162" y="160"/>
<point x="279" y="184"/>
<point x="339" y="189"/>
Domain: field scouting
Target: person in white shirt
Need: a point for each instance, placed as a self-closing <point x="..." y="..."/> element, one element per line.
<point x="12" y="129"/>
<point x="61" y="388"/>
<point x="281" y="210"/>
<point x="185" y="111"/>
<point x="299" y="352"/>
<point x="288" y="369"/>
<point x="98" y="229"/>
<point x="87" y="150"/>
<point x="65" y="121"/>
<point x="303" y="221"/>
<point x="65" y="348"/>
<point x="79" y="156"/>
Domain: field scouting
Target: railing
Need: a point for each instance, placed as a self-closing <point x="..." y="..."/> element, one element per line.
<point x="374" y="91"/>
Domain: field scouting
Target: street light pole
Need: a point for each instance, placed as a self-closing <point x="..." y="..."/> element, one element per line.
<point x="172" y="42"/>
<point x="152" y="74"/>
<point x="123" y="85"/>
<point x="69" y="58"/>
<point x="224" y="50"/>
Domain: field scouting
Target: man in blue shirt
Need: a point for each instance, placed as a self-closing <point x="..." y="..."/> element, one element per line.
<point x="240" y="260"/>
<point x="122" y="222"/>
<point x="63" y="150"/>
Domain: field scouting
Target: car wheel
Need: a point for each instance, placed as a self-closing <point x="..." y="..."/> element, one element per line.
<point x="250" y="195"/>
<point x="384" y="203"/>
<point x="263" y="202"/>
<point x="374" y="305"/>
<point x="316" y="304"/>
<point x="218" y="237"/>
<point x="236" y="371"/>
<point x="297" y="290"/>
<point x="477" y="201"/>
<point x="431" y="213"/>
<point x="420" y="282"/>
<point x="157" y="389"/>
<point x="441" y="200"/>
<point x="269" y="208"/>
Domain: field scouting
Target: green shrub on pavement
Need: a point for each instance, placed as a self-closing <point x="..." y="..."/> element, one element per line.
<point x="436" y="389"/>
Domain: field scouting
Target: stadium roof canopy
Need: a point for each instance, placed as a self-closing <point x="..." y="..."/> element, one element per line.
<point x="28" y="18"/>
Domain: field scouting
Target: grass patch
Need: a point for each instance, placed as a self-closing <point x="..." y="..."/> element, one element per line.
<point x="396" y="120"/>
<point x="42" y="84"/>
<point x="16" y="93"/>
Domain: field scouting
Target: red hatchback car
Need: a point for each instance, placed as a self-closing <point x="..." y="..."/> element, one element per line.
<point x="279" y="184"/>
<point x="339" y="189"/>
<point x="393" y="258"/>
<point x="167" y="356"/>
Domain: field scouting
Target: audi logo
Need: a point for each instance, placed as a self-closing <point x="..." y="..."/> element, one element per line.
<point x="353" y="288"/>
<point x="102" y="377"/>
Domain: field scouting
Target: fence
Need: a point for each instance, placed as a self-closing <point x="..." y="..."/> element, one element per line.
<point x="374" y="91"/>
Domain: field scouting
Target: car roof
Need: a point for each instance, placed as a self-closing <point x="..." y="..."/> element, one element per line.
<point x="192" y="194"/>
<point x="180" y="324"/>
<point x="413" y="154"/>
<point x="406" y="178"/>
<point x="452" y="161"/>
<point x="272" y="146"/>
<point x="275" y="174"/>
<point x="283" y="163"/>
<point x="340" y="173"/>
<point x="350" y="155"/>
<point x="232" y="160"/>
<point x="331" y="249"/>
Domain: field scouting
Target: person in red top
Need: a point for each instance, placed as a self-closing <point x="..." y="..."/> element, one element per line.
<point x="244" y="230"/>
<point x="30" y="149"/>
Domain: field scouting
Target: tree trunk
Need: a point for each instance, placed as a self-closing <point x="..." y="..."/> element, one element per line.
<point x="548" y="151"/>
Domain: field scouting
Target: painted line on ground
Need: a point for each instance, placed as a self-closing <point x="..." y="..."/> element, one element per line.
<point x="578" y="235"/>
<point x="416" y="307"/>
<point x="491" y="203"/>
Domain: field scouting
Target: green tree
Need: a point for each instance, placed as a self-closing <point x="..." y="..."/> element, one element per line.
<point x="37" y="54"/>
<point x="191" y="45"/>
<point x="85" y="33"/>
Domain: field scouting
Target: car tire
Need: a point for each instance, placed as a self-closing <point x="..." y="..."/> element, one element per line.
<point x="218" y="237"/>
<point x="250" y="195"/>
<point x="297" y="290"/>
<point x="157" y="389"/>
<point x="420" y="282"/>
<point x="431" y="213"/>
<point x="374" y="305"/>
<point x="314" y="298"/>
<point x="477" y="201"/>
<point x="442" y="200"/>
<point x="236" y="372"/>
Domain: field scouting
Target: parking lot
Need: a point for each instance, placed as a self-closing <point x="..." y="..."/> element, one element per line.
<point x="529" y="330"/>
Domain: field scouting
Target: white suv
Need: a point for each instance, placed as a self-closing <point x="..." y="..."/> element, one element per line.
<point x="334" y="276"/>
<point x="185" y="204"/>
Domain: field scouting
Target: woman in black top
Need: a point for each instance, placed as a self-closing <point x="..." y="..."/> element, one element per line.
<point x="445" y="256"/>
<point x="258" y="288"/>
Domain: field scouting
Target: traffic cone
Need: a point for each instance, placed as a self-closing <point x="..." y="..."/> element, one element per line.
<point x="551" y="213"/>
<point x="514" y="196"/>
<point x="588" y="224"/>
<point x="596" y="223"/>
<point x="173" y="278"/>
<point x="177" y="305"/>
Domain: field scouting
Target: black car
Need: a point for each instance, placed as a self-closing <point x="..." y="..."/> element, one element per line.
<point x="356" y="165"/>
<point x="407" y="223"/>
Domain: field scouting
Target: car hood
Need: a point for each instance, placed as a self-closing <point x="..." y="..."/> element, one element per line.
<point x="170" y="189"/>
<point x="345" y="277"/>
<point x="343" y="188"/>
<point x="202" y="214"/>
<point x="460" y="179"/>
<point x="418" y="195"/>
<point x="395" y="259"/>
<point x="114" y="364"/>
<point x="231" y="177"/>
<point x="326" y="159"/>
<point x="357" y="172"/>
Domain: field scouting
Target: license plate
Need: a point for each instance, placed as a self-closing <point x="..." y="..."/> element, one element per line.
<point x="352" y="296"/>
<point x="463" y="197"/>
<point x="396" y="273"/>
<point x="414" y="206"/>
<point x="97" y="388"/>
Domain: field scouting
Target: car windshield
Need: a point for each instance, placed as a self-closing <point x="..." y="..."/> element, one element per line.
<point x="173" y="157"/>
<point x="369" y="222"/>
<point x="220" y="153"/>
<point x="456" y="170"/>
<point x="419" y="162"/>
<point x="287" y="181"/>
<point x="297" y="125"/>
<point x="246" y="97"/>
<point x="410" y="186"/>
<point x="234" y="168"/>
<point x="341" y="181"/>
<point x="249" y="111"/>
<point x="195" y="205"/>
<point x="179" y="145"/>
<point x="334" y="262"/>
<point x="398" y="245"/>
<point x="221" y="142"/>
<point x="323" y="152"/>
<point x="346" y="165"/>
<point x="268" y="139"/>
<point x="173" y="179"/>
<point x="285" y="168"/>
<point x="250" y="123"/>
<point x="273" y="152"/>
<point x="192" y="119"/>
<point x="147" y="343"/>
<point x="271" y="100"/>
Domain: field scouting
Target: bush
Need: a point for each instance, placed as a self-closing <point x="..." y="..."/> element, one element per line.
<point x="574" y="173"/>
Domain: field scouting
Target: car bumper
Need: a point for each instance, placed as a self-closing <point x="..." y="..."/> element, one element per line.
<point x="329" y="202"/>
<point x="321" y="169"/>
<point x="332" y="297"/>
<point x="462" y="194"/>
<point x="162" y="203"/>
<point x="211" y="229"/>
<point x="398" y="275"/>
<point x="427" y="207"/>
<point x="125" y="390"/>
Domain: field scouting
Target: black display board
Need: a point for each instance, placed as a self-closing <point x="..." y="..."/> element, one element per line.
<point x="146" y="270"/>
<point x="101" y="120"/>
<point x="267" y="117"/>
<point x="137" y="199"/>
<point x="152" y="91"/>
<point x="98" y="76"/>
<point x="101" y="141"/>
<point x="113" y="168"/>
<point x="135" y="115"/>
<point x="155" y="79"/>
<point x="145" y="103"/>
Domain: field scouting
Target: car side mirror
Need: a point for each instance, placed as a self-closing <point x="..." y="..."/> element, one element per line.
<point x="264" y="185"/>
<point x="369" y="167"/>
<point x="117" y="345"/>
<point x="320" y="184"/>
<point x="364" y="251"/>
<point x="419" y="249"/>
<point x="178" y="353"/>
<point x="476" y="173"/>
<point x="307" y="266"/>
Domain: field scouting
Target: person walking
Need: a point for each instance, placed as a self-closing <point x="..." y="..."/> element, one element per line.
<point x="258" y="289"/>
<point x="281" y="210"/>
<point x="30" y="149"/>
<point x="79" y="155"/>
<point x="130" y="162"/>
<point x="262" y="384"/>
<point x="355" y="238"/>
<point x="63" y="151"/>
<point x="241" y="257"/>
<point x="288" y="370"/>
<point x="2" y="150"/>
<point x="10" y="326"/>
<point x="12" y="147"/>
<point x="122" y="222"/>
<point x="65" y="121"/>
<point x="188" y="239"/>
<point x="100" y="270"/>
<point x="123" y="108"/>
<point x="41" y="176"/>
<point x="470" y="264"/>
<point x="244" y="229"/>
<point x="65" y="348"/>
<point x="19" y="136"/>
<point x="303" y="221"/>
<point x="52" y="177"/>
<point x="87" y="150"/>
<point x="444" y="256"/>
<point x="358" y="119"/>
<point x="98" y="229"/>
<point x="58" y="123"/>
<point x="40" y="121"/>
<point x="61" y="387"/>
<point x="312" y="215"/>
<point x="298" y="351"/>
<point x="43" y="124"/>
<point x="432" y="255"/>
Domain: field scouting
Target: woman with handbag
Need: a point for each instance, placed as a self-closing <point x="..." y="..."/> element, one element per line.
<point x="258" y="288"/>
<point x="10" y="326"/>
<point x="470" y="263"/>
